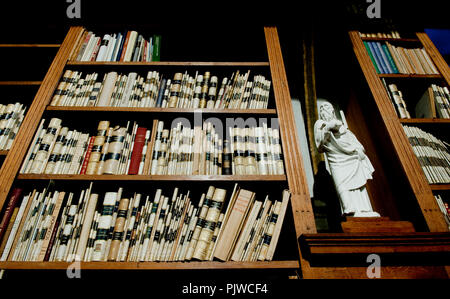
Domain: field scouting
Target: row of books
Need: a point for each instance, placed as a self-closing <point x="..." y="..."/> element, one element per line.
<point x="433" y="154"/>
<point x="56" y="149"/>
<point x="444" y="207"/>
<point x="391" y="34"/>
<point x="390" y="59"/>
<point x="87" y="226"/>
<point x="434" y="103"/>
<point x="113" y="150"/>
<point x="182" y="91"/>
<point x="11" y="117"/>
<point x="127" y="46"/>
<point x="186" y="151"/>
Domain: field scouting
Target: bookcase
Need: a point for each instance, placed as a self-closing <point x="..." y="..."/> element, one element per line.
<point x="16" y="85"/>
<point x="299" y="218"/>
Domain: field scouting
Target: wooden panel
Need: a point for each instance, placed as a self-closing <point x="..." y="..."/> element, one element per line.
<point x="403" y="149"/>
<point x="352" y="243"/>
<point x="400" y="272"/>
<point x="300" y="199"/>
<point x="86" y="177"/>
<point x="152" y="265"/>
<point x="377" y="226"/>
<point x="440" y="187"/>
<point x="31" y="121"/>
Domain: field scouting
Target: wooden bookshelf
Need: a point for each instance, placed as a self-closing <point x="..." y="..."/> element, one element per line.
<point x="37" y="83"/>
<point x="200" y="178"/>
<point x="390" y="39"/>
<point x="412" y="169"/>
<point x="300" y="218"/>
<point x="440" y="187"/>
<point x="418" y="76"/>
<point x="163" y="110"/>
<point x="289" y="264"/>
<point x="167" y="63"/>
<point x="3" y="152"/>
<point x="434" y="121"/>
<point x="30" y="45"/>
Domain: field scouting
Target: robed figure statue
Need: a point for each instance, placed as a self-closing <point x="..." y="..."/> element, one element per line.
<point x="349" y="165"/>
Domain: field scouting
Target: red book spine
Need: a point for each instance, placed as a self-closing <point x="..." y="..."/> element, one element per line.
<point x="125" y="44"/>
<point x="136" y="154"/>
<point x="87" y="155"/>
<point x="52" y="241"/>
<point x="13" y="199"/>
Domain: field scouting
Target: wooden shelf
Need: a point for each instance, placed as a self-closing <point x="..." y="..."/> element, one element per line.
<point x="30" y="45"/>
<point x="20" y="82"/>
<point x="3" y="152"/>
<point x="390" y="39"/>
<point x="162" y="110"/>
<point x="425" y="121"/>
<point x="153" y="265"/>
<point x="380" y="243"/>
<point x="194" y="178"/>
<point x="440" y="187"/>
<point x="435" y="76"/>
<point x="167" y="63"/>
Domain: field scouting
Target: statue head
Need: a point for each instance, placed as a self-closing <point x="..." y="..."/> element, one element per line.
<point x="326" y="111"/>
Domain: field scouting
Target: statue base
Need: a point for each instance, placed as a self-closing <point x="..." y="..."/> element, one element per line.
<point x="375" y="225"/>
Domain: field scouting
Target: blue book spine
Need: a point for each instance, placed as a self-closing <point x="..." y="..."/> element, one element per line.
<point x="391" y="60"/>
<point x="380" y="58"/>
<point x="377" y="58"/>
<point x="119" y="53"/>
<point x="385" y="59"/>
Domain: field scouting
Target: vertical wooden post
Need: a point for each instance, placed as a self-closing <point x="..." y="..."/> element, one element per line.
<point x="300" y="199"/>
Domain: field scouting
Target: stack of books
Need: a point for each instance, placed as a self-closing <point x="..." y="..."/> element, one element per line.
<point x="11" y="117"/>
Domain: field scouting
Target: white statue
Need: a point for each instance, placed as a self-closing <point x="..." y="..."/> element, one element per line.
<point x="349" y="165"/>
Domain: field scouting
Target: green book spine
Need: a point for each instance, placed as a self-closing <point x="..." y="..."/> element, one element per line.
<point x="156" y="55"/>
<point x="371" y="57"/>
<point x="391" y="61"/>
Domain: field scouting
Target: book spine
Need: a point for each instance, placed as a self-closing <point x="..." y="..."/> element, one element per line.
<point x="12" y="203"/>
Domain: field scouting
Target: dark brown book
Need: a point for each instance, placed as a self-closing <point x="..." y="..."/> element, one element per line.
<point x="12" y="203"/>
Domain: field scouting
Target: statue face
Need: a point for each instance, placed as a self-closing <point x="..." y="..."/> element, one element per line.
<point x="326" y="111"/>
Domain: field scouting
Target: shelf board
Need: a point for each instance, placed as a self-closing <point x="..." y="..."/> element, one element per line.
<point x="167" y="63"/>
<point x="84" y="177"/>
<point x="30" y="45"/>
<point x="289" y="264"/>
<point x="440" y="187"/>
<point x="161" y="110"/>
<point x="20" y="82"/>
<point x="3" y="152"/>
<point x="435" y="76"/>
<point x="390" y="39"/>
<point x="425" y="120"/>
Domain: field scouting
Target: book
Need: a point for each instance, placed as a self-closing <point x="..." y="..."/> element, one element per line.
<point x="233" y="224"/>
<point x="425" y="107"/>
<point x="14" y="198"/>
